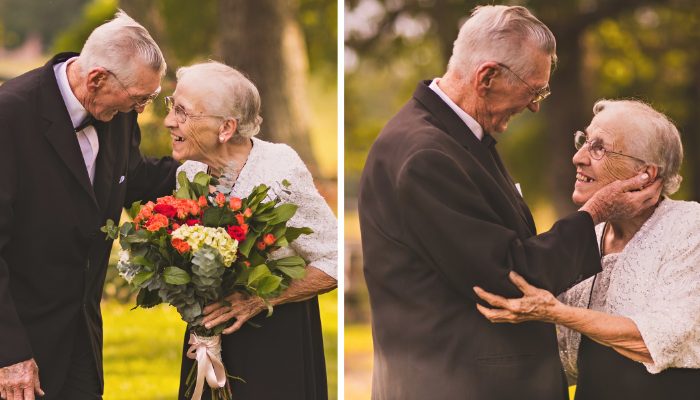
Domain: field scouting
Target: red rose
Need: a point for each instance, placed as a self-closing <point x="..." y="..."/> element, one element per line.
<point x="269" y="239"/>
<point x="165" y="209"/>
<point x="193" y="221"/>
<point x="236" y="232"/>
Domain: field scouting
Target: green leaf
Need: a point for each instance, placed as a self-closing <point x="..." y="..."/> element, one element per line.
<point x="111" y="230"/>
<point x="296" y="272"/>
<point x="283" y="213"/>
<point x="141" y="278"/>
<point x="140" y="236"/>
<point x="134" y="210"/>
<point x="268" y="284"/>
<point x="202" y="179"/>
<point x="184" y="191"/>
<point x="293" y="233"/>
<point x="286" y="183"/>
<point x="258" y="272"/>
<point x="142" y="260"/>
<point x="148" y="299"/>
<point x="245" y="247"/>
<point x="218" y="216"/>
<point x="176" y="276"/>
<point x="291" y="261"/>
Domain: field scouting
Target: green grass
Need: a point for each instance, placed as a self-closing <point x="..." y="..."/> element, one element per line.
<point x="142" y="350"/>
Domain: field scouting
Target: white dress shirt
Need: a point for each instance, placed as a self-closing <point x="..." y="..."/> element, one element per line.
<point x="87" y="138"/>
<point x="468" y="119"/>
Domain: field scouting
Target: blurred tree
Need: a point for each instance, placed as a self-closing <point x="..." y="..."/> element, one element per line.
<point x="264" y="40"/>
<point x="22" y="19"/>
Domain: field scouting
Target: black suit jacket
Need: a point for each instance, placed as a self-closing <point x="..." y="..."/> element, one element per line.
<point x="53" y="257"/>
<point x="437" y="218"/>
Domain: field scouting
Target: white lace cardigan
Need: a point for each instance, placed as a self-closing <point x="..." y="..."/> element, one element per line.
<point x="271" y="163"/>
<point x="654" y="281"/>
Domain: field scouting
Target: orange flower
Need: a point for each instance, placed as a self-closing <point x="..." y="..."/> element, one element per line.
<point x="235" y="203"/>
<point x="260" y="245"/>
<point x="246" y="263"/>
<point x="220" y="199"/>
<point x="240" y="219"/>
<point x="180" y="245"/>
<point x="156" y="222"/>
<point x="269" y="239"/>
<point x="248" y="212"/>
<point x="244" y="227"/>
<point x="202" y="201"/>
<point x="175" y="226"/>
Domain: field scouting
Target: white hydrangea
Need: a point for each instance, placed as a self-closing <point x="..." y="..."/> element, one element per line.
<point x="126" y="270"/>
<point x="197" y="236"/>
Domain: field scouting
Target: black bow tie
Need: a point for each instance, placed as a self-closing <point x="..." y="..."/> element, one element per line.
<point x="88" y="121"/>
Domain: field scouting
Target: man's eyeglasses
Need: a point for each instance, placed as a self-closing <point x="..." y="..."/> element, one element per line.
<point x="537" y="94"/>
<point x="595" y="147"/>
<point x="139" y="101"/>
<point x="181" y="115"/>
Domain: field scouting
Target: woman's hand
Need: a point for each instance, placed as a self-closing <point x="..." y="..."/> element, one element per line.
<point x="535" y="305"/>
<point x="243" y="307"/>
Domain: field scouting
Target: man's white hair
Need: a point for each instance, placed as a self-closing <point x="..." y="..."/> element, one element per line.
<point x="503" y="34"/>
<point x="225" y="91"/>
<point x="118" y="45"/>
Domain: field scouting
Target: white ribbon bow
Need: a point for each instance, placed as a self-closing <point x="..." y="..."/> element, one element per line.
<point x="207" y="351"/>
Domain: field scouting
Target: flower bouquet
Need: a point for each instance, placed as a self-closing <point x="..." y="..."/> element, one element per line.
<point x="195" y="247"/>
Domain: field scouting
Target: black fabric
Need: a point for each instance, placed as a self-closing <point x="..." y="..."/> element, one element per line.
<point x="53" y="257"/>
<point x="605" y="374"/>
<point x="282" y="359"/>
<point x="439" y="214"/>
<point x="82" y="381"/>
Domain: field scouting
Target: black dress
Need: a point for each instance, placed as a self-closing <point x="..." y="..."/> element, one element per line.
<point x="282" y="359"/>
<point x="604" y="374"/>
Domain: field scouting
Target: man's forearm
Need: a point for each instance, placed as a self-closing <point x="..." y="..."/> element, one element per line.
<point x="620" y="333"/>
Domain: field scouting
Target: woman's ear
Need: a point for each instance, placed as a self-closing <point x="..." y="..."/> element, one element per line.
<point x="227" y="130"/>
<point x="652" y="170"/>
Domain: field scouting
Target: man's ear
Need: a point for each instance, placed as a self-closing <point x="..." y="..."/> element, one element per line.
<point x="96" y="78"/>
<point x="485" y="75"/>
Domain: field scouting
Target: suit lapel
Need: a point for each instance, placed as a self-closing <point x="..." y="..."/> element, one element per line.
<point x="59" y="128"/>
<point x="460" y="132"/>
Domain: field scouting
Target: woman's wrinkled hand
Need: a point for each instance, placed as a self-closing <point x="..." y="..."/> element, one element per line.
<point x="242" y="307"/>
<point x="535" y="305"/>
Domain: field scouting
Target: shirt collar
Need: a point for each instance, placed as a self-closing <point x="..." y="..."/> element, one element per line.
<point x="76" y="110"/>
<point x="468" y="119"/>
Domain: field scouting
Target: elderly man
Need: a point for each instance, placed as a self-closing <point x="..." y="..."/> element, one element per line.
<point x="69" y="160"/>
<point x="440" y="214"/>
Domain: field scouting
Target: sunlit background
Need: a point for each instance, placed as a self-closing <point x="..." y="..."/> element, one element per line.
<point x="287" y="48"/>
<point x="607" y="49"/>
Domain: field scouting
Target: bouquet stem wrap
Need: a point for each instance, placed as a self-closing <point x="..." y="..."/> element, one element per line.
<point x="207" y="351"/>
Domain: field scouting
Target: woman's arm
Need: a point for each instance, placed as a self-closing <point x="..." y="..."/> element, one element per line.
<point x="620" y="333"/>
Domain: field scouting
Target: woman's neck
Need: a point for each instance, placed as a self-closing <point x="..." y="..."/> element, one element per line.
<point x="227" y="153"/>
<point x="620" y="232"/>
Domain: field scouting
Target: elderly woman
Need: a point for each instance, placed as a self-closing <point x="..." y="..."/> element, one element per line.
<point x="635" y="326"/>
<point x="213" y="118"/>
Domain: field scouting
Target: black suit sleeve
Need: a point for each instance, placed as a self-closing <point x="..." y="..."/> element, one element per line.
<point x="14" y="342"/>
<point x="149" y="178"/>
<point x="462" y="235"/>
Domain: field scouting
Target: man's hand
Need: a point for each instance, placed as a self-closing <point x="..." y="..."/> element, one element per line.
<point x="623" y="199"/>
<point x="20" y="381"/>
<point x="535" y="305"/>
<point x="243" y="308"/>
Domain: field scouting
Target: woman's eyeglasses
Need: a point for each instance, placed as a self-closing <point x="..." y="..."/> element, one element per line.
<point x="595" y="147"/>
<point x="181" y="115"/>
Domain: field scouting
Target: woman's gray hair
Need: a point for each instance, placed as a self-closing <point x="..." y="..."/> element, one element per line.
<point x="229" y="93"/>
<point x="653" y="138"/>
<point x="503" y="34"/>
<point x="114" y="46"/>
